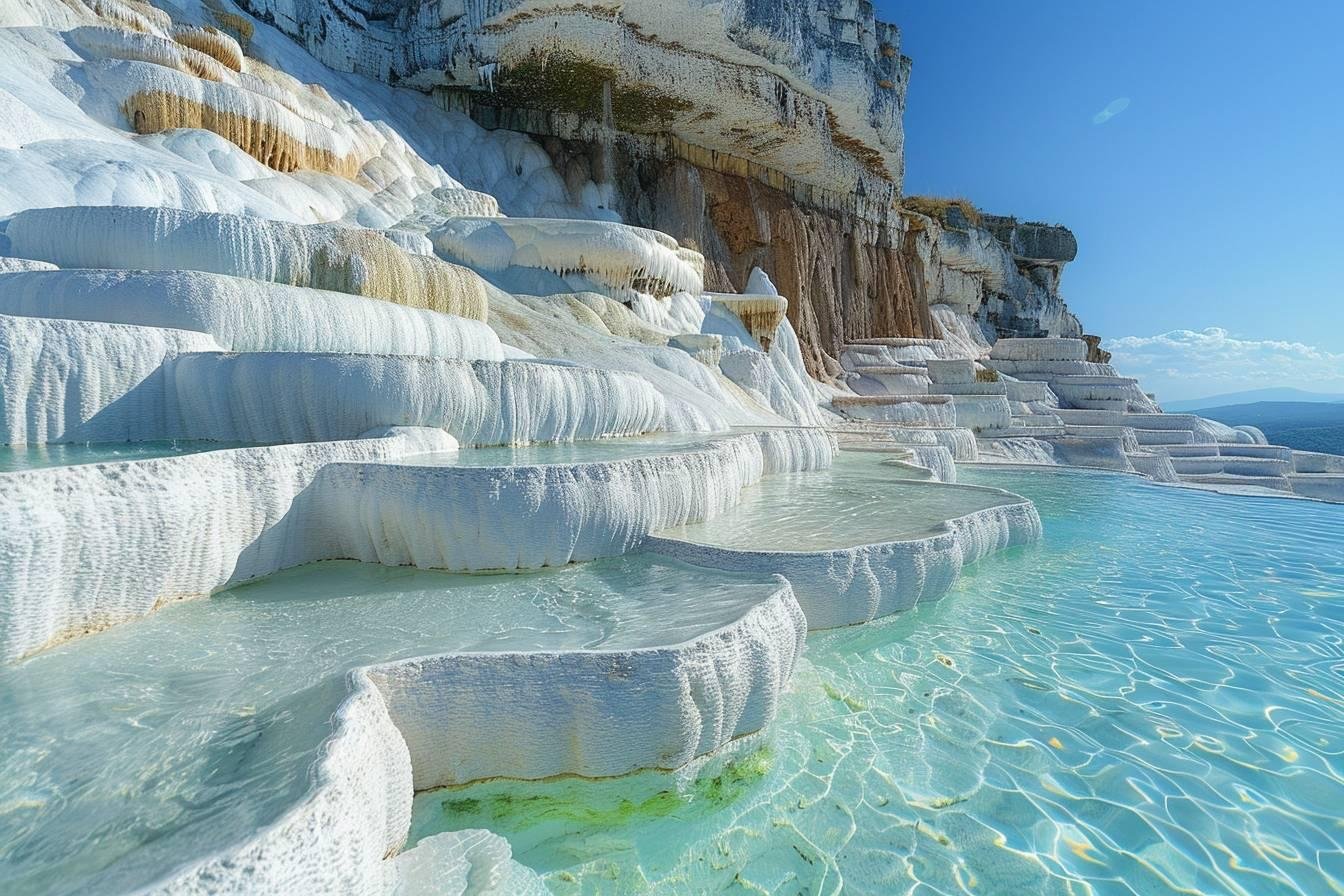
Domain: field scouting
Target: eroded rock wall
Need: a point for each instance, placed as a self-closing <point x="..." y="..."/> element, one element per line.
<point x="1002" y="274"/>
<point x="844" y="275"/>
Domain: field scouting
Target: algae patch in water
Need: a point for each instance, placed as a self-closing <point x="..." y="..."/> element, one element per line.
<point x="607" y="804"/>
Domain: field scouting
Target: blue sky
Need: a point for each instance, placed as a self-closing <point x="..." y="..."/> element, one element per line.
<point x="1195" y="148"/>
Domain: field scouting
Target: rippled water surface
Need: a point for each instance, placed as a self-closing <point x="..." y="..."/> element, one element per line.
<point x="1149" y="701"/>
<point x="127" y="753"/>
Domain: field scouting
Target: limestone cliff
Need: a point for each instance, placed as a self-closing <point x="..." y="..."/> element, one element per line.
<point x="758" y="132"/>
<point x="1000" y="272"/>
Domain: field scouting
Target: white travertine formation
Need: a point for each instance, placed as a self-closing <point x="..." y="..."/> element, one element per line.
<point x="1040" y="349"/>
<point x="17" y="265"/>
<point x="314" y="397"/>
<point x="952" y="370"/>
<point x="72" y="381"/>
<point x="621" y="258"/>
<point x="166" y="384"/>
<point x="420" y="723"/>
<point x="918" y="411"/>
<point x="355" y="814"/>
<point x="760" y="314"/>
<point x="853" y="585"/>
<point x="248" y="315"/>
<point x="118" y="540"/>
<point x="343" y="259"/>
<point x="86" y="547"/>
<point x="981" y="411"/>
<point x="402" y="514"/>
<point x="595" y="714"/>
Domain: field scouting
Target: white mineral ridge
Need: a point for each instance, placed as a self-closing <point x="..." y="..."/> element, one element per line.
<point x="960" y="332"/>
<point x="420" y="722"/>
<point x="593" y="329"/>
<point x="73" y="381"/>
<point x="300" y="397"/>
<point x="848" y="586"/>
<point x="777" y="378"/>
<point x="593" y="713"/>
<point x="347" y="259"/>
<point x="86" y="547"/>
<point x="1016" y="451"/>
<point x="1039" y="349"/>
<point x="435" y="516"/>
<point x="618" y="256"/>
<point x="981" y="411"/>
<point x="247" y="315"/>
<point x="15" y="265"/>
<point x="97" y="382"/>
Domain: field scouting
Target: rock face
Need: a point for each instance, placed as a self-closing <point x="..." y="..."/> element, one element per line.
<point x="758" y="133"/>
<point x="1002" y="274"/>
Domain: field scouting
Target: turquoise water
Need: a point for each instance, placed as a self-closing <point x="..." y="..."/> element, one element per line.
<point x="32" y="457"/>
<point x="565" y="452"/>
<point x="1150" y="700"/>
<point x="126" y="753"/>
<point x="863" y="498"/>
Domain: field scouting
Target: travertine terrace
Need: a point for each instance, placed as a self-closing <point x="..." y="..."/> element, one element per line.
<point x="509" y="302"/>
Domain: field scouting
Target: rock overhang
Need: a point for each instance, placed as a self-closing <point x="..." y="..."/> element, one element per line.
<point x="809" y="90"/>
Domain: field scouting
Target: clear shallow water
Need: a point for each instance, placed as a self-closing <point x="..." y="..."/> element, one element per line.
<point x="32" y="457"/>
<point x="1151" y="700"/>
<point x="564" y="452"/>
<point x="128" y="752"/>
<point x="861" y="499"/>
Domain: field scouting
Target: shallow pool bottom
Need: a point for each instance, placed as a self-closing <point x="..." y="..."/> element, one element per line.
<point x="1149" y="700"/>
<point x="129" y="753"/>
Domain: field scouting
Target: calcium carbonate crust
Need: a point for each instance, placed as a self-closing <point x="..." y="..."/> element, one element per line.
<point x="467" y="518"/>
<point x="182" y="527"/>
<point x="419" y="723"/>
<point x="853" y="585"/>
<point x="247" y="315"/>
<point x="86" y="547"/>
<point x="82" y="381"/>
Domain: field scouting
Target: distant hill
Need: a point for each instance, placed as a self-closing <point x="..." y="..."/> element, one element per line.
<point x="1249" y="397"/>
<point x="1304" y="425"/>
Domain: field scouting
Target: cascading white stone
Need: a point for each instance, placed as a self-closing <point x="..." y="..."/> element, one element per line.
<point x="848" y="586"/>
<point x="622" y="258"/>
<point x="344" y="259"/>
<point x="313" y="397"/>
<point x="248" y="315"/>
<point x="87" y="547"/>
<point x="71" y="381"/>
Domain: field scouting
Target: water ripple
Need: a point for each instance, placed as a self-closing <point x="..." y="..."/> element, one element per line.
<point x="1149" y="701"/>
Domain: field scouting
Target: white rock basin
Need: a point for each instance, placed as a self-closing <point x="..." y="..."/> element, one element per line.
<point x="162" y="750"/>
<point x="857" y="541"/>
<point x="34" y="457"/>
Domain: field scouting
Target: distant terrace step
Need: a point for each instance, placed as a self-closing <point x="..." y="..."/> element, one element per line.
<point x="1322" y="486"/>
<point x="1276" y="483"/>
<point x="1239" y="466"/>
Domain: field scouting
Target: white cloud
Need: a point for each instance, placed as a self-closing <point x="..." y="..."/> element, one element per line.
<point x="1195" y="363"/>
<point x="1113" y="108"/>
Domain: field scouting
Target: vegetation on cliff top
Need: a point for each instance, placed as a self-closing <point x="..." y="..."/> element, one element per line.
<point x="938" y="208"/>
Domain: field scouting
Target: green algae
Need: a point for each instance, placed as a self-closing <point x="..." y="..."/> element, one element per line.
<point x="574" y="802"/>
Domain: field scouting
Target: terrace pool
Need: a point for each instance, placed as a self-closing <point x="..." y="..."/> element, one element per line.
<point x="128" y="753"/>
<point x="1149" y="700"/>
<point x="31" y="457"/>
